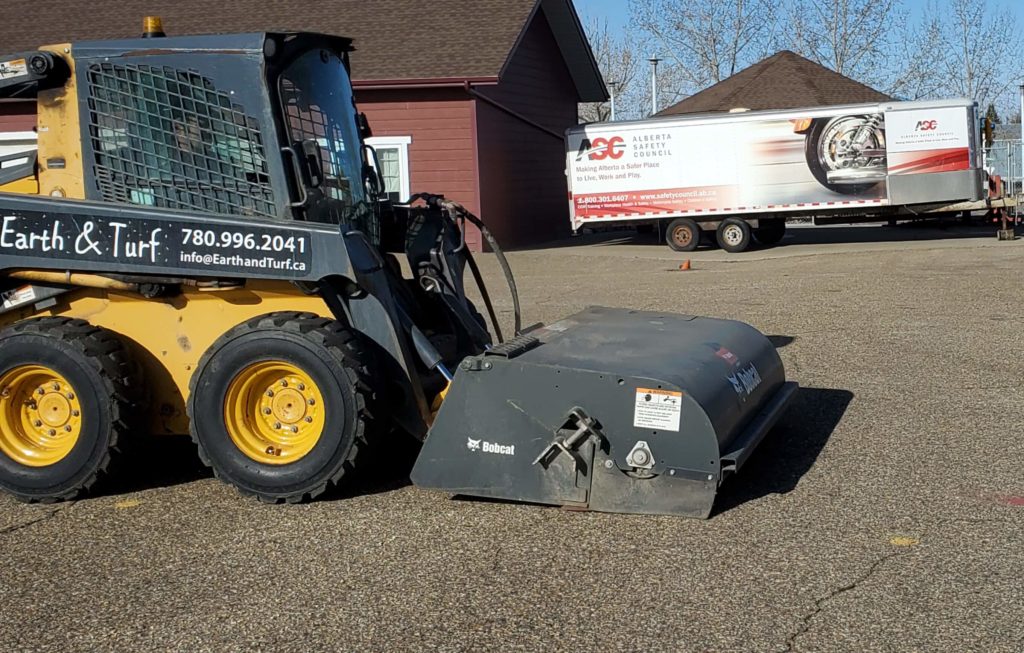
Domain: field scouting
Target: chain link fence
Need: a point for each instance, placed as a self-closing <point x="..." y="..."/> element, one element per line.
<point x="1004" y="159"/>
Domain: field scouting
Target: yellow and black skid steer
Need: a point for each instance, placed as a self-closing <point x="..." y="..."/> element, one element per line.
<point x="201" y="244"/>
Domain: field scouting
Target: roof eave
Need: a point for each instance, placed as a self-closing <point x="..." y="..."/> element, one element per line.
<point x="421" y="83"/>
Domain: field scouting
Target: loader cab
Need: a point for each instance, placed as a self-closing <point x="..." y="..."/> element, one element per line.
<point x="260" y="125"/>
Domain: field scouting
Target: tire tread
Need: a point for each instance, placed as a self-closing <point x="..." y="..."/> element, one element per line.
<point x="331" y="335"/>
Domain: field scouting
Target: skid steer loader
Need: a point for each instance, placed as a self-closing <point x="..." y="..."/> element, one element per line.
<point x="200" y="245"/>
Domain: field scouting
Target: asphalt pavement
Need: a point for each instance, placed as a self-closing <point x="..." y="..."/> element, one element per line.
<point x="884" y="513"/>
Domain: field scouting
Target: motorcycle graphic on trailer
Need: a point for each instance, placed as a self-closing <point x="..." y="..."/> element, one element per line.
<point x="846" y="154"/>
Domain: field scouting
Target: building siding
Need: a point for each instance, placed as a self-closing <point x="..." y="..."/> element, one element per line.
<point x="442" y="155"/>
<point x="522" y="167"/>
<point x="17" y="116"/>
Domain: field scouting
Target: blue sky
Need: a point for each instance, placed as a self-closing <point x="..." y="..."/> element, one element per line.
<point x="616" y="12"/>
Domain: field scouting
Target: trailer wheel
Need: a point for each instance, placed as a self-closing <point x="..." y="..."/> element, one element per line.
<point x="770" y="232"/>
<point x="280" y="405"/>
<point x="733" y="235"/>
<point x="683" y="235"/>
<point x="68" y="395"/>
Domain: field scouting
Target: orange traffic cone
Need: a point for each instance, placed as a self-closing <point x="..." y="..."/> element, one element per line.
<point x="685" y="265"/>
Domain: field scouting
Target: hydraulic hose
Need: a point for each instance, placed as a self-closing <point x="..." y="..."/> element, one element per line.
<point x="475" y="269"/>
<point x="458" y="209"/>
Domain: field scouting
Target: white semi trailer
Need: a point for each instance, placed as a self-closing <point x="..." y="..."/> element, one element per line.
<point x="740" y="175"/>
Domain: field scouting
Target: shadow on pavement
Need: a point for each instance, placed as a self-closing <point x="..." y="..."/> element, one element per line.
<point x="780" y="341"/>
<point x="790" y="449"/>
<point x="155" y="462"/>
<point x="384" y="468"/>
<point x="168" y="460"/>
<point x="932" y="229"/>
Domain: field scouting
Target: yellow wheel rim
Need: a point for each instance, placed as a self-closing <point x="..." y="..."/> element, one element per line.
<point x="40" y="416"/>
<point x="274" y="412"/>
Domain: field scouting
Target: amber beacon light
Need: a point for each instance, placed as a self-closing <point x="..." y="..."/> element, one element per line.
<point x="152" y="27"/>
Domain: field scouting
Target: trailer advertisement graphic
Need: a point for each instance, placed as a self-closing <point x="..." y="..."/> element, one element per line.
<point x="750" y="163"/>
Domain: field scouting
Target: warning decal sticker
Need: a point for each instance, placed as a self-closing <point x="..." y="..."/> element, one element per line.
<point x="13" y="68"/>
<point x="657" y="409"/>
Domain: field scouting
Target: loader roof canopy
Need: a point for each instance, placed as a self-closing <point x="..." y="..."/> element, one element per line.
<point x="398" y="42"/>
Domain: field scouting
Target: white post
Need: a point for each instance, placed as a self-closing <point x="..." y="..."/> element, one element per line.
<point x="1021" y="126"/>
<point x="654" y="83"/>
<point x="611" y="87"/>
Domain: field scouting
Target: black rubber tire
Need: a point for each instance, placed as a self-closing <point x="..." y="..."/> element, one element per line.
<point x="814" y="163"/>
<point x="682" y="235"/>
<point x="736" y="246"/>
<point x="108" y="382"/>
<point x="770" y="232"/>
<point x="335" y="359"/>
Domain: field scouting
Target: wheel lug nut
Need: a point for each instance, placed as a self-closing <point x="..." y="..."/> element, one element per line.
<point x="56" y="386"/>
<point x="40" y="391"/>
<point x="53" y="432"/>
<point x="38" y="422"/>
<point x="309" y="420"/>
<point x="284" y="384"/>
<point x="267" y="411"/>
<point x="295" y="429"/>
<point x="277" y="425"/>
<point x="67" y="428"/>
<point x="302" y="386"/>
<point x="71" y="395"/>
<point x="311" y="402"/>
<point x="270" y="393"/>
<point x="75" y="413"/>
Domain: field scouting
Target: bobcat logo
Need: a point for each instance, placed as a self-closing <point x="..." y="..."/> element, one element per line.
<point x="745" y="381"/>
<point x="472" y="445"/>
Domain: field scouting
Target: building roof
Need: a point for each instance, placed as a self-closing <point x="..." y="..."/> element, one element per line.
<point x="397" y="41"/>
<point x="784" y="80"/>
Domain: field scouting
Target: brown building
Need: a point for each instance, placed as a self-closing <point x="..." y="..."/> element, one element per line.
<point x="469" y="98"/>
<point x="784" y="80"/>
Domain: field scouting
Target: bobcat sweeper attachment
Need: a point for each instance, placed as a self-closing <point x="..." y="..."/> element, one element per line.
<point x="611" y="410"/>
<point x="202" y="245"/>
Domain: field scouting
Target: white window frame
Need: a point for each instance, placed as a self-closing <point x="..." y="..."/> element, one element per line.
<point x="401" y="143"/>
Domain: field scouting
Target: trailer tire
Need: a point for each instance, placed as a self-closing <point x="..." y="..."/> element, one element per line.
<point x="733" y="235"/>
<point x="682" y="235"/>
<point x="67" y="406"/>
<point x="770" y="232"/>
<point x="280" y="406"/>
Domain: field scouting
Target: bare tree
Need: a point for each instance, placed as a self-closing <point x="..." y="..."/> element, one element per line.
<point x="620" y="67"/>
<point x="855" y="38"/>
<point x="978" y="52"/>
<point x="913" y="74"/>
<point x="705" y="41"/>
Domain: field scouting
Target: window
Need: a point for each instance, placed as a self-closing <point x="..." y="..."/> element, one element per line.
<point x="393" y="154"/>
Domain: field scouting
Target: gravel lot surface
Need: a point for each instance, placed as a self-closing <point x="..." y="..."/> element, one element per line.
<point x="886" y="512"/>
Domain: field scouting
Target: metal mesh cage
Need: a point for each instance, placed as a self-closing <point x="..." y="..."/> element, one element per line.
<point x="166" y="137"/>
<point x="308" y="121"/>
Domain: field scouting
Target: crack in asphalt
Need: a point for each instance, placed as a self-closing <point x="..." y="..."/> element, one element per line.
<point x="820" y="604"/>
<point x="50" y="514"/>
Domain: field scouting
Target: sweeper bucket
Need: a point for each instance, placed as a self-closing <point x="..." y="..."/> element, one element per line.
<point x="610" y="410"/>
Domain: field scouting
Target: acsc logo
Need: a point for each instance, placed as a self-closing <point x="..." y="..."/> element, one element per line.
<point x="602" y="148"/>
<point x="926" y="125"/>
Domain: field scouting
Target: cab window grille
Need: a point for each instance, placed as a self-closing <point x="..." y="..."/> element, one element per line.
<point x="166" y="137"/>
<point x="312" y="109"/>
